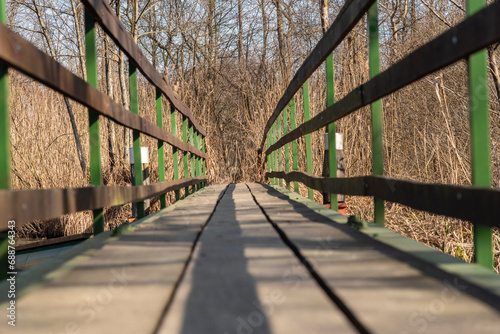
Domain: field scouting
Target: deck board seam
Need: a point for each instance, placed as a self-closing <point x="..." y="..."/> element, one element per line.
<point x="186" y="265"/>
<point x="355" y="322"/>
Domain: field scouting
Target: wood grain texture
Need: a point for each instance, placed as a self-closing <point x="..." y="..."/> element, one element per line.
<point x="24" y="206"/>
<point x="478" y="205"/>
<point x="105" y="16"/>
<point x="473" y="34"/>
<point x="21" y="55"/>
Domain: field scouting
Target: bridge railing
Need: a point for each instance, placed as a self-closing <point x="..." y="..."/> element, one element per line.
<point x="478" y="203"/>
<point x="23" y="206"/>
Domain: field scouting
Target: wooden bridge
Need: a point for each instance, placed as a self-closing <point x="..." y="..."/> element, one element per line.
<point x="255" y="257"/>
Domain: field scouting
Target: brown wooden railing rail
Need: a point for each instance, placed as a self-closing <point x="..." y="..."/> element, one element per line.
<point x="23" y="206"/>
<point x="478" y="203"/>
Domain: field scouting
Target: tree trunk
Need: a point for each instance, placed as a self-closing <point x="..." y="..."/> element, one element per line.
<point x="109" y="89"/>
<point x="281" y="44"/>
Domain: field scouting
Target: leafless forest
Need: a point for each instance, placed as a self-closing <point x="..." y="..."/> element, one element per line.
<point x="230" y="61"/>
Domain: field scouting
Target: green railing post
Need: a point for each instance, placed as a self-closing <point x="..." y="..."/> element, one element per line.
<point x="200" y="159"/>
<point x="279" y="150"/>
<point x="161" y="149"/>
<point x="268" y="144"/>
<point x="204" y="171"/>
<point x="287" y="152"/>
<point x="480" y="139"/>
<point x="196" y="158"/>
<point x="377" y="125"/>
<point x="191" y="141"/>
<point x="94" y="138"/>
<point x="275" y="155"/>
<point x="295" y="160"/>
<point x="4" y="148"/>
<point x="186" y="158"/>
<point x="134" y="106"/>
<point x="307" y="116"/>
<point x="175" y="161"/>
<point x="271" y="142"/>
<point x="332" y="129"/>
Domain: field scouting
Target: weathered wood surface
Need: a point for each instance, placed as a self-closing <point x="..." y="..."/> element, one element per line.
<point x="244" y="279"/>
<point x="24" y="206"/>
<point x="123" y="287"/>
<point x="475" y="204"/>
<point x="23" y="56"/>
<point x="261" y="263"/>
<point x="387" y="289"/>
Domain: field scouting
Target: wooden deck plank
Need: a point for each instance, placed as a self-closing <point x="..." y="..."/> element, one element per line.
<point x="384" y="287"/>
<point x="123" y="287"/>
<point x="244" y="279"/>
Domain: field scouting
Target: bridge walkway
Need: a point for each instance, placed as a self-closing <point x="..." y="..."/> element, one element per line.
<point x="247" y="258"/>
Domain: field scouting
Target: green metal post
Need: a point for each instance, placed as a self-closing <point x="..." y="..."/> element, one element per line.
<point x="287" y="153"/>
<point x="94" y="138"/>
<point x="204" y="160"/>
<point x="161" y="150"/>
<point x="278" y="152"/>
<point x="200" y="160"/>
<point x="480" y="139"/>
<point x="174" y="149"/>
<point x="4" y="148"/>
<point x="332" y="147"/>
<point x="307" y="116"/>
<point x="134" y="106"/>
<point x="295" y="160"/>
<point x="186" y="158"/>
<point x="271" y="139"/>
<point x="191" y="141"/>
<point x="377" y="127"/>
<point x="269" y="156"/>
<point x="275" y="155"/>
<point x="196" y="158"/>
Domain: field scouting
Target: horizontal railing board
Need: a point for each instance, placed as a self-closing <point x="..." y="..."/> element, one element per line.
<point x="107" y="19"/>
<point x="455" y="44"/>
<point x="348" y="17"/>
<point x="24" y="206"/>
<point x="26" y="58"/>
<point x="478" y="205"/>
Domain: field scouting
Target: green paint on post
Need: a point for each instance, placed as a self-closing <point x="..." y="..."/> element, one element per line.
<point x="200" y="159"/>
<point x="307" y="116"/>
<point x="204" y="162"/>
<point x="295" y="160"/>
<point x="278" y="153"/>
<point x="480" y="139"/>
<point x="161" y="149"/>
<point x="186" y="158"/>
<point x="332" y="147"/>
<point x="196" y="158"/>
<point x="94" y="138"/>
<point x="4" y="148"/>
<point x="191" y="141"/>
<point x="287" y="152"/>
<point x="174" y="149"/>
<point x="272" y="154"/>
<point x="269" y="156"/>
<point x="134" y="106"/>
<point x="377" y="126"/>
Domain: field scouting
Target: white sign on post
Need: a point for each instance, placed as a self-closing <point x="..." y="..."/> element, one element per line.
<point x="339" y="141"/>
<point x="144" y="155"/>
